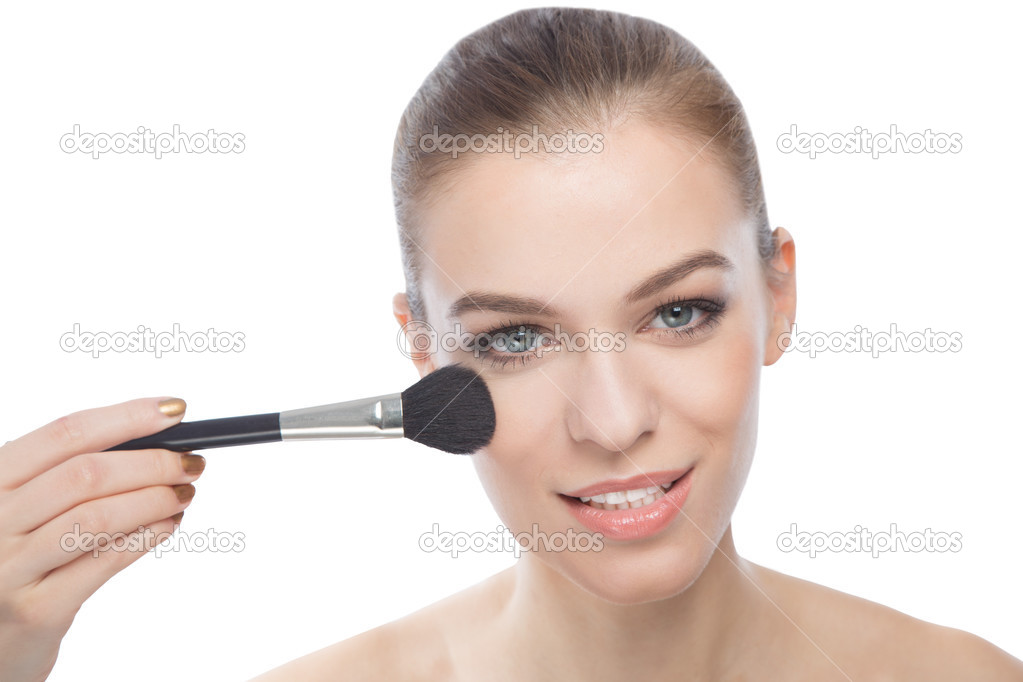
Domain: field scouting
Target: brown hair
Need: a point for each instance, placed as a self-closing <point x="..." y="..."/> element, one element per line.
<point x="560" y="68"/>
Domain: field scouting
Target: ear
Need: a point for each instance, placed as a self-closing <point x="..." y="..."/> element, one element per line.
<point x="418" y="335"/>
<point x="782" y="289"/>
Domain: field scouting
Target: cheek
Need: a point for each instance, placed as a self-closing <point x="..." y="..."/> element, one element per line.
<point x="512" y="467"/>
<point x="719" y="397"/>
<point x="711" y="390"/>
<point x="714" y="410"/>
<point x="708" y="415"/>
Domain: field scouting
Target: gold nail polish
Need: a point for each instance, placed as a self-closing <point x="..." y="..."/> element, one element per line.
<point x="172" y="407"/>
<point x="193" y="464"/>
<point x="184" y="492"/>
<point x="176" y="519"/>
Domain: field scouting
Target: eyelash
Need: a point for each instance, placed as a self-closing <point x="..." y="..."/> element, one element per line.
<point x="713" y="308"/>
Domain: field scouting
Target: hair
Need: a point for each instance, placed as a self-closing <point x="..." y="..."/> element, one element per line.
<point x="564" y="67"/>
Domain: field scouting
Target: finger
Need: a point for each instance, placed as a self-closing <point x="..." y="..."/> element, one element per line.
<point x="58" y="596"/>
<point x="93" y="476"/>
<point x="78" y="531"/>
<point x="86" y="431"/>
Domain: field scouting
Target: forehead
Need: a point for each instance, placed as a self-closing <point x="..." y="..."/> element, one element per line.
<point x="578" y="225"/>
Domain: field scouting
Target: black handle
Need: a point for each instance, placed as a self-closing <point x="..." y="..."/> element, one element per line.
<point x="211" y="433"/>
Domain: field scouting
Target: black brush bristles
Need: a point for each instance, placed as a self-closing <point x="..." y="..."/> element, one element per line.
<point x="449" y="409"/>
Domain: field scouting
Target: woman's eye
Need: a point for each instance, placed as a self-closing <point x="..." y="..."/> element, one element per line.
<point x="688" y="319"/>
<point x="521" y="340"/>
<point x="506" y="345"/>
<point x="679" y="315"/>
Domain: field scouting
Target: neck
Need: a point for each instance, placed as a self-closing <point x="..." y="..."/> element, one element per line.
<point x="557" y="628"/>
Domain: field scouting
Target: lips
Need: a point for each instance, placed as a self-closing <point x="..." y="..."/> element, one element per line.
<point x="619" y="518"/>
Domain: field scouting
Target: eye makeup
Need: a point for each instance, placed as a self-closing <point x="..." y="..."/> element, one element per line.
<point x="685" y="320"/>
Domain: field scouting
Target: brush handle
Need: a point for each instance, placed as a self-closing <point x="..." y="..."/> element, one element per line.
<point x="211" y="433"/>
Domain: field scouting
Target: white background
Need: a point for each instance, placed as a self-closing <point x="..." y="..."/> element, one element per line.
<point x="293" y="243"/>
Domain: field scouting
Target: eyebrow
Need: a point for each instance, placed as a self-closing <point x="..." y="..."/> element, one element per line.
<point x="527" y="306"/>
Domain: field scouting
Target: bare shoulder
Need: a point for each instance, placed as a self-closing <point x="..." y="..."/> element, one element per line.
<point x="393" y="651"/>
<point x="965" y="653"/>
<point x="870" y="641"/>
<point x="405" y="649"/>
<point x="420" y="647"/>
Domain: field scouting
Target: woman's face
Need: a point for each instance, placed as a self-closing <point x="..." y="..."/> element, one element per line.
<point x="669" y="391"/>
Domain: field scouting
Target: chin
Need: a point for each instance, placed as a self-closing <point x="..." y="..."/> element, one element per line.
<point x="629" y="574"/>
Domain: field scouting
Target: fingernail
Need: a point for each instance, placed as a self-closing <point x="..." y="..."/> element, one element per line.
<point x="184" y="492"/>
<point x="172" y="407"/>
<point x="193" y="464"/>
<point x="176" y="519"/>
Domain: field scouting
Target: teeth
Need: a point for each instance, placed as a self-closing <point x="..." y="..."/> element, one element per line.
<point x="634" y="495"/>
<point x="615" y="498"/>
<point x="626" y="499"/>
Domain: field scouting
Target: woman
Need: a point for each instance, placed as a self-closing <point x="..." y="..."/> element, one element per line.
<point x="661" y="234"/>
<point x="619" y="198"/>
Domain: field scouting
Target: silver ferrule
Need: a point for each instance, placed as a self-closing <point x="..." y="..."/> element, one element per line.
<point x="378" y="417"/>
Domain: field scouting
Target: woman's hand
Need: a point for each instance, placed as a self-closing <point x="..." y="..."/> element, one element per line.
<point x="56" y="487"/>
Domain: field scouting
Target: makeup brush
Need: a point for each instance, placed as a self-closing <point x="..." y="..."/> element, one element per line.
<point x="449" y="409"/>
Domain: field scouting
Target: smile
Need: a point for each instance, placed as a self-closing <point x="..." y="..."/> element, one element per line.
<point x="633" y="508"/>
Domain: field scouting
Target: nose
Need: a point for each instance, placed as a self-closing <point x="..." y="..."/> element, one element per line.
<point x="608" y="402"/>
